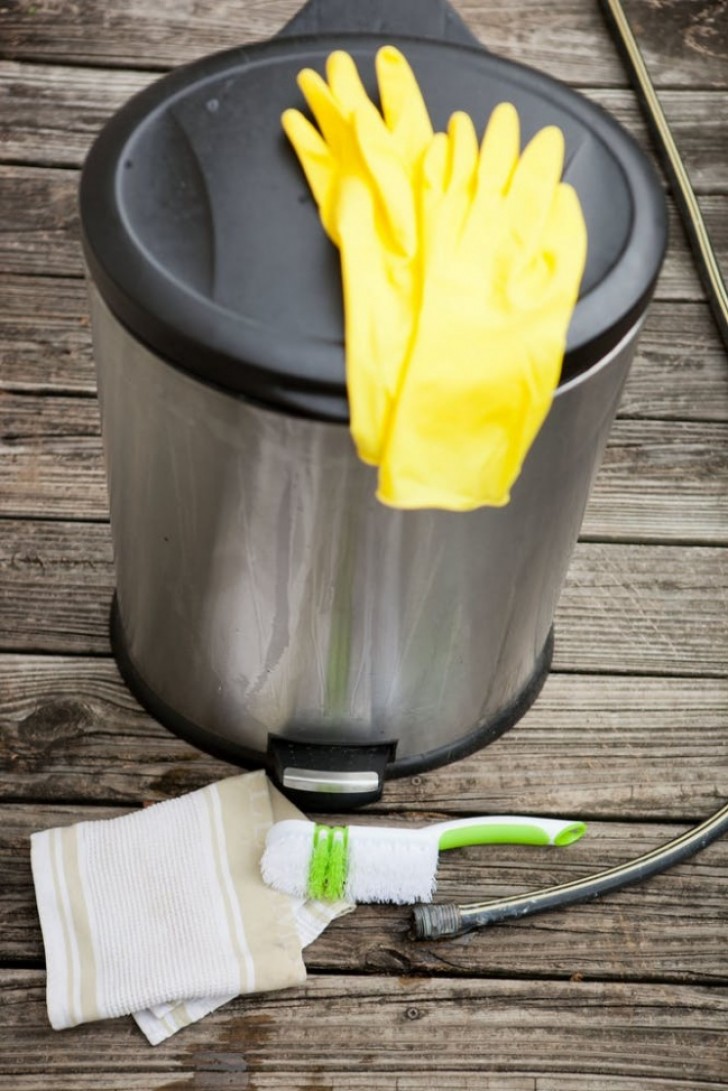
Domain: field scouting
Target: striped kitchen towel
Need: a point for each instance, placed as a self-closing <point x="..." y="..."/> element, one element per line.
<point x="163" y="914"/>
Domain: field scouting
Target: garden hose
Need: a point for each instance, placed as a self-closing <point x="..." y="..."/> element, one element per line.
<point x="432" y="921"/>
<point x="672" y="164"/>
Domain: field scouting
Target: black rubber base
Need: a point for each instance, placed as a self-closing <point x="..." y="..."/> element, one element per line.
<point x="230" y="751"/>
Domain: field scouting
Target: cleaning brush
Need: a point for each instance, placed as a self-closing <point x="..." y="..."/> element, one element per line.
<point x="388" y="863"/>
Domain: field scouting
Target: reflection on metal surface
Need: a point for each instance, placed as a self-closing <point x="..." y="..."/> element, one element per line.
<point x="264" y="590"/>
<point x="325" y="780"/>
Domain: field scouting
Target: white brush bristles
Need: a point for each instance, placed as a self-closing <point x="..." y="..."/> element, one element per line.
<point x="391" y="865"/>
<point x="385" y="864"/>
<point x="287" y="855"/>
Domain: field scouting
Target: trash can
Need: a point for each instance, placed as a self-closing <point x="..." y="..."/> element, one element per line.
<point x="267" y="607"/>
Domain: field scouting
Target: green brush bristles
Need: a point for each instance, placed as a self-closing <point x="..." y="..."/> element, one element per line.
<point x="338" y="863"/>
<point x="329" y="863"/>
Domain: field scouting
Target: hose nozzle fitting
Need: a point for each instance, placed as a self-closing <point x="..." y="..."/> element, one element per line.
<point x="436" y="921"/>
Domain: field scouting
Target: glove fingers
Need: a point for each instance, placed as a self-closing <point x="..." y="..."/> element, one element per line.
<point x="463" y="152"/>
<point x="403" y="106"/>
<point x="531" y="192"/>
<point x="312" y="152"/>
<point x="548" y="283"/>
<point x="375" y="339"/>
<point x="499" y="150"/>
<point x="387" y="178"/>
<point x="316" y="161"/>
<point x="345" y="82"/>
<point x="324" y="108"/>
<point x="435" y="165"/>
<point x="496" y="163"/>
<point x="565" y="244"/>
<point x="430" y="198"/>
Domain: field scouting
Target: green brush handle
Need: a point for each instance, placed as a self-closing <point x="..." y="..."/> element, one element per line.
<point x="506" y="830"/>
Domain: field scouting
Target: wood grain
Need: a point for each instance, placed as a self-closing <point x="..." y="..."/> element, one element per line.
<point x="55" y="586"/>
<point x="682" y="41"/>
<point x="617" y="601"/>
<point x="52" y="457"/>
<point x="629" y="993"/>
<point x="625" y="608"/>
<point x="215" y="1075"/>
<point x="698" y="121"/>
<point x="665" y="481"/>
<point x="591" y="745"/>
<point x="661" y="482"/>
<point x="45" y="337"/>
<point x="647" y="930"/>
<point x="49" y="116"/>
<point x="679" y="372"/>
<point x="394" y="1027"/>
<point x="39" y="230"/>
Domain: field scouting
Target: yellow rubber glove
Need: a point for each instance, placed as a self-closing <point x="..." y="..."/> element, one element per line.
<point x="503" y="245"/>
<point x="368" y="209"/>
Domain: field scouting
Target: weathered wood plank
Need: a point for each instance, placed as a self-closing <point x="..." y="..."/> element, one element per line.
<point x="55" y="579"/>
<point x="682" y="41"/>
<point x="602" y="746"/>
<point x="214" y="1075"/>
<point x="701" y="137"/>
<point x="619" y="1083"/>
<point x="659" y="480"/>
<point x="679" y="372"/>
<point x="52" y="457"/>
<point x="674" y="927"/>
<point x="588" y="744"/>
<point x="120" y="35"/>
<point x="609" y="745"/>
<point x="50" y="115"/>
<point x="390" y="1028"/>
<point x="70" y="726"/>
<point x="45" y="340"/>
<point x="625" y="608"/>
<point x="39" y="230"/>
<point x="617" y="602"/>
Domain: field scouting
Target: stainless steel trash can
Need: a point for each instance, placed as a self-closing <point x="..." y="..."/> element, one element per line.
<point x="267" y="606"/>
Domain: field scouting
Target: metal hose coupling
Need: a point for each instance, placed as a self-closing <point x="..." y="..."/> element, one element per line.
<point x="436" y="921"/>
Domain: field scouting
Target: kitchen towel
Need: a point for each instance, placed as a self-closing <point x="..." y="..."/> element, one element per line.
<point x="163" y="914"/>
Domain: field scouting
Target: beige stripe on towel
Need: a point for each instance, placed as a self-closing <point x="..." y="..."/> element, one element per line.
<point x="163" y="914"/>
<point x="80" y="921"/>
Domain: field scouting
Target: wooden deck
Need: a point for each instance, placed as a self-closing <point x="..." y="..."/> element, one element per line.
<point x="630" y="732"/>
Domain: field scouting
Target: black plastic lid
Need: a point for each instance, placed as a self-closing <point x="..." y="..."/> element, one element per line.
<point x="202" y="236"/>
